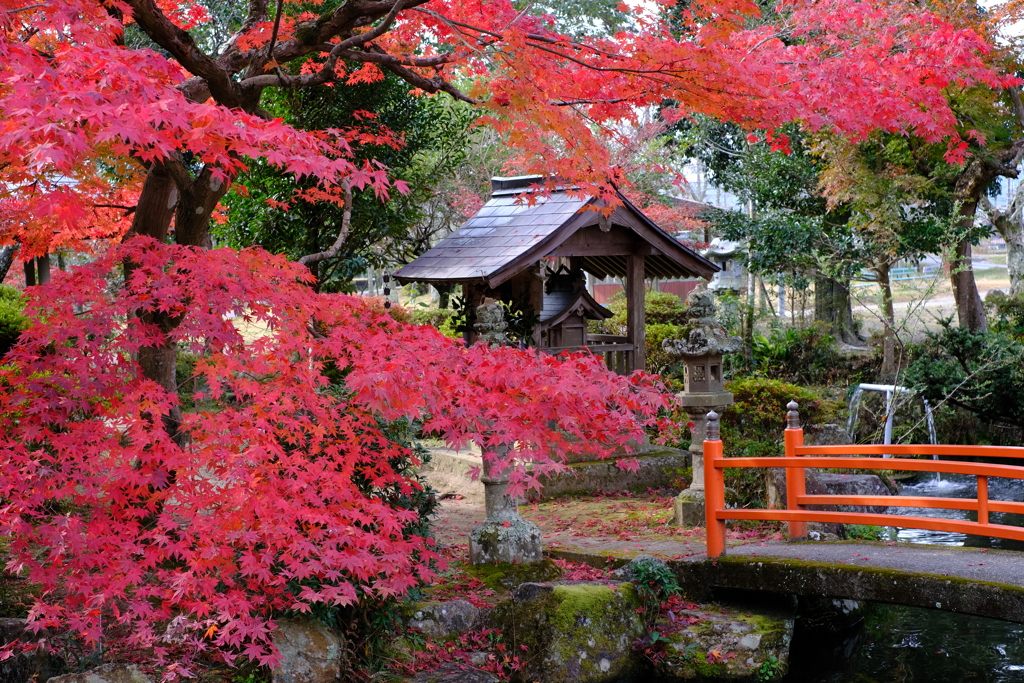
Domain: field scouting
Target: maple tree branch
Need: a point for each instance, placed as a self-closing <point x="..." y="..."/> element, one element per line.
<point x="346" y="224"/>
<point x="595" y="100"/>
<point x="378" y="56"/>
<point x="128" y="210"/>
<point x="531" y="36"/>
<point x="431" y="85"/>
<point x="375" y="32"/>
<point x="277" y="26"/>
<point x="183" y="47"/>
<point x="26" y="8"/>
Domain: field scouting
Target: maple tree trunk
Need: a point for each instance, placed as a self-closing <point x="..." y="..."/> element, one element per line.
<point x="192" y="216"/>
<point x="968" y="191"/>
<point x="6" y="259"/>
<point x="152" y="218"/>
<point x="969" y="309"/>
<point x="833" y="307"/>
<point x="163" y="197"/>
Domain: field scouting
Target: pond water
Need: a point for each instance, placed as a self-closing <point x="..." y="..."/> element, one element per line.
<point x="895" y="643"/>
<point x="910" y="644"/>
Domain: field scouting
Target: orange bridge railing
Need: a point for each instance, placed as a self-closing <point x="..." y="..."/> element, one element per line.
<point x="799" y="457"/>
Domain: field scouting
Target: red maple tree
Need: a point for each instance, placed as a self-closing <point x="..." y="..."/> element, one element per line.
<point x="285" y="491"/>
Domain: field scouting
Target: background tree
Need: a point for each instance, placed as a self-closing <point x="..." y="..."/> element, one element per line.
<point x="792" y="232"/>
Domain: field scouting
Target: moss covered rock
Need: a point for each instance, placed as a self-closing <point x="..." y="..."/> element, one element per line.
<point x="574" y="631"/>
<point x="726" y="644"/>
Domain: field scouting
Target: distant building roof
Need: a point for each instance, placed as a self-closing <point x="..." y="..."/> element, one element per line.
<point x="507" y="236"/>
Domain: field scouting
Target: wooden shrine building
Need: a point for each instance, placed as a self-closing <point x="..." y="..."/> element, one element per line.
<point x="536" y="257"/>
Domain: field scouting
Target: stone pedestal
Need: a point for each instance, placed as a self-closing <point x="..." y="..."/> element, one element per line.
<point x="689" y="505"/>
<point x="504" y="536"/>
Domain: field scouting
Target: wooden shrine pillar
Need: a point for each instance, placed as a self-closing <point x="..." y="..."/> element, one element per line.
<point x="635" y="315"/>
<point x="472" y="296"/>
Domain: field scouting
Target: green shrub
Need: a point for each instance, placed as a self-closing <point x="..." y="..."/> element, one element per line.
<point x="753" y="427"/>
<point x="867" y="532"/>
<point x="658" y="361"/>
<point x="655" y="583"/>
<point x="660" y="308"/>
<point x="760" y="406"/>
<point x="807" y="355"/>
<point x="435" y="317"/>
<point x="981" y="372"/>
<point x="1006" y="313"/>
<point x="12" y="317"/>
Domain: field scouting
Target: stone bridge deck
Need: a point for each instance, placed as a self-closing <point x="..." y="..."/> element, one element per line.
<point x="978" y="581"/>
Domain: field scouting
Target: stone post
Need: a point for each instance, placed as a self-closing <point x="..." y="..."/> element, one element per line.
<point x="504" y="536"/>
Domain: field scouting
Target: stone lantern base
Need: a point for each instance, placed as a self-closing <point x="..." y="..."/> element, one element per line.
<point x="493" y="542"/>
<point x="504" y="536"/>
<point x="689" y="508"/>
<point x="689" y="505"/>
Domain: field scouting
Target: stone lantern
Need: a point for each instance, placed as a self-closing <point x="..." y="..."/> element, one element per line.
<point x="504" y="536"/>
<point x="703" y="344"/>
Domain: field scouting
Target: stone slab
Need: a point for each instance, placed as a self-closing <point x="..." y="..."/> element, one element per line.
<point x="449" y="470"/>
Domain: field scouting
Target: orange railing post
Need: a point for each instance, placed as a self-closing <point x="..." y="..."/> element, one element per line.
<point x="714" y="488"/>
<point x="982" y="500"/>
<point x="796" y="482"/>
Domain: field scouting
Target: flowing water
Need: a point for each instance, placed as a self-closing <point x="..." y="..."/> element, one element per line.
<point x="895" y="643"/>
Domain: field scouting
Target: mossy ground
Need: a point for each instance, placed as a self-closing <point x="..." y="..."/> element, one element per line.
<point x="504" y="576"/>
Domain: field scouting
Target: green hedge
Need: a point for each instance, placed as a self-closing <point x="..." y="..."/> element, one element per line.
<point x="753" y="427"/>
<point x="12" y="317"/>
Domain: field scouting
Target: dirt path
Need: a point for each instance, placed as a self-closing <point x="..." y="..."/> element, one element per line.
<point x="613" y="525"/>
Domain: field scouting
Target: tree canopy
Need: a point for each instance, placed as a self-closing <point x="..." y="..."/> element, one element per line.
<point x="85" y="112"/>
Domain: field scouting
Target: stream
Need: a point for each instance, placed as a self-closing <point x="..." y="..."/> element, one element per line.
<point x="895" y="643"/>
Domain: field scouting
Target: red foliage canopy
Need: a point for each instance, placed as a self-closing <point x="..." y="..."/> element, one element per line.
<point x="74" y="93"/>
<point x="284" y="496"/>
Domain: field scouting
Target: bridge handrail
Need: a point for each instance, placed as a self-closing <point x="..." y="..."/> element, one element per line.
<point x="914" y="449"/>
<point x="800" y="457"/>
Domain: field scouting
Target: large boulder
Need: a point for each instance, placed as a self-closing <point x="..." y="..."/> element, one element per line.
<point x="574" y="631"/>
<point x="725" y="644"/>
<point x="106" y="673"/>
<point x="442" y="619"/>
<point x="826" y="435"/>
<point x="814" y="486"/>
<point x="856" y="485"/>
<point x="454" y="673"/>
<point x="505" y="576"/>
<point x="310" y="653"/>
